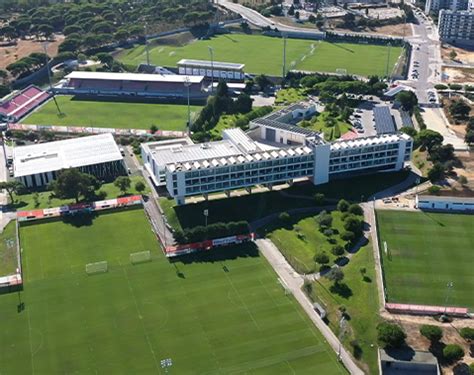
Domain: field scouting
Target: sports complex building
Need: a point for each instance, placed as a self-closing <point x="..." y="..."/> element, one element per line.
<point x="218" y="69"/>
<point x="37" y="165"/>
<point x="274" y="151"/>
<point x="160" y="86"/>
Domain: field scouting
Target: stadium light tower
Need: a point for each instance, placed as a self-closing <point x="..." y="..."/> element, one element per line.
<point x="187" y="84"/>
<point x="211" y="52"/>
<point x="388" y="60"/>
<point x="284" y="55"/>
<point x="146" y="44"/>
<point x="449" y="287"/>
<point x="45" y="48"/>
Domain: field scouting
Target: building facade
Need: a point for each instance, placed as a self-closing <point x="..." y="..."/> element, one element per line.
<point x="430" y="202"/>
<point x="218" y="69"/>
<point x="243" y="160"/>
<point x="456" y="27"/>
<point x="35" y="166"/>
<point x="434" y="6"/>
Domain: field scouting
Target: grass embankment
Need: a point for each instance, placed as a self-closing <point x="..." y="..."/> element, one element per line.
<point x="8" y="251"/>
<point x="47" y="199"/>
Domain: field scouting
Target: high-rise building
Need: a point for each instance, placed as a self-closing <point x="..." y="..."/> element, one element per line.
<point x="434" y="6"/>
<point x="456" y="27"/>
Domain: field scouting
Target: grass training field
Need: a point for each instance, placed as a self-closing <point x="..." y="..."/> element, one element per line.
<point x="8" y="250"/>
<point x="262" y="54"/>
<point x="425" y="252"/>
<point x="220" y="312"/>
<point x="109" y="114"/>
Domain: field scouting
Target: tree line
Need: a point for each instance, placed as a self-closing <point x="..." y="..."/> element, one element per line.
<point x="211" y="231"/>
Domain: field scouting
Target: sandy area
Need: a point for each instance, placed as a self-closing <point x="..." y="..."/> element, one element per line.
<point x="23" y="48"/>
<point x="459" y="75"/>
<point x="396" y="30"/>
<point x="411" y="325"/>
<point x="463" y="55"/>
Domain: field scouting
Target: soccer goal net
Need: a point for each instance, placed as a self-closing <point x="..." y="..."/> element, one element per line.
<point x="341" y="71"/>
<point x="97" y="267"/>
<point x="140" y="257"/>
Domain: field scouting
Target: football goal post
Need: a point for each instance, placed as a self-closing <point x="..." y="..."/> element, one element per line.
<point x="140" y="257"/>
<point x="341" y="71"/>
<point x="97" y="267"/>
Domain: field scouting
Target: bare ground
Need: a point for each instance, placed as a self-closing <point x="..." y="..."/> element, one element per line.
<point x="396" y="30"/>
<point x="459" y="75"/>
<point x="23" y="48"/>
<point x="463" y="55"/>
<point x="411" y="324"/>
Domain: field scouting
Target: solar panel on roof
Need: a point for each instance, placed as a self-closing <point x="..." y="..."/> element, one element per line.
<point x="383" y="120"/>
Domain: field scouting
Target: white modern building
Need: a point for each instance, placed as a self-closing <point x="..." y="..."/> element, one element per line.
<point x="456" y="27"/>
<point x="434" y="6"/>
<point x="36" y="165"/>
<point x="218" y="69"/>
<point x="272" y="152"/>
<point x="432" y="202"/>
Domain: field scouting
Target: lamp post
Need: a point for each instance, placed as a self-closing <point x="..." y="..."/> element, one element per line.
<point x="388" y="61"/>
<point x="211" y="52"/>
<point x="187" y="84"/>
<point x="146" y="45"/>
<point x="284" y="56"/>
<point x="449" y="287"/>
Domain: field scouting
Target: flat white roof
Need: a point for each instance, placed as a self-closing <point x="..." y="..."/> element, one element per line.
<point x="368" y="141"/>
<point x="210" y="64"/>
<point x="69" y="153"/>
<point x="242" y="140"/>
<point x="135" y="77"/>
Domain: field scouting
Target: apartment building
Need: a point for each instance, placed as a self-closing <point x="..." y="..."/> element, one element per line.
<point x="456" y="27"/>
<point x="434" y="6"/>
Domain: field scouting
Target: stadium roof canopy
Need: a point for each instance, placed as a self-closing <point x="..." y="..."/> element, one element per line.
<point x="209" y="64"/>
<point x="172" y="78"/>
<point x="69" y="153"/>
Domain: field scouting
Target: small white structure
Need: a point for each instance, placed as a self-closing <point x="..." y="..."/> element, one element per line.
<point x="218" y="69"/>
<point x="36" y="165"/>
<point x="431" y="202"/>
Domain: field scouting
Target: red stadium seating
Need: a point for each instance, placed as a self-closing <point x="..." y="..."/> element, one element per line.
<point x="23" y="102"/>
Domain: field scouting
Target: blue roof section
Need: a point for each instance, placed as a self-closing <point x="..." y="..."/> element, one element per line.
<point x="384" y="123"/>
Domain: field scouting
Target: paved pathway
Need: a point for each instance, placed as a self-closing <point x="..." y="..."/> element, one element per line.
<point x="294" y="282"/>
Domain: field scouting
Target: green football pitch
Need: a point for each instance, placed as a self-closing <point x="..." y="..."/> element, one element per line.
<point x="426" y="251"/>
<point x="217" y="313"/>
<point x="262" y="54"/>
<point x="107" y="114"/>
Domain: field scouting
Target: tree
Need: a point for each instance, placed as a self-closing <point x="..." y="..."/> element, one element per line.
<point x="408" y="100"/>
<point x="336" y="275"/>
<point x="262" y="81"/>
<point x="140" y="186"/>
<point x="462" y="180"/>
<point x="432" y="333"/>
<point x="408" y="130"/>
<point x="284" y="217"/>
<point x="71" y="183"/>
<point x="453" y="352"/>
<point x="105" y="58"/>
<point x="324" y="220"/>
<point x="342" y="205"/>
<point x="353" y="224"/>
<point x="312" y="18"/>
<point x="452" y="54"/>
<point x="123" y="183"/>
<point x="442" y="153"/>
<point x="11" y="187"/>
<point x="469" y="137"/>
<point x="467" y="333"/>
<point x="297" y="15"/>
<point x="355" y="209"/>
<point x="243" y="104"/>
<point x="428" y="138"/>
<point x="434" y="190"/>
<point x="46" y="30"/>
<point x="321" y="258"/>
<point x="390" y="335"/>
<point x="436" y="173"/>
<point x="337" y="250"/>
<point x="348" y="236"/>
<point x="291" y="11"/>
<point x="459" y="109"/>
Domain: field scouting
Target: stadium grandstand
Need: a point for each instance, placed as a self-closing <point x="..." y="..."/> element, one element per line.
<point x="166" y="86"/>
<point x="22" y="103"/>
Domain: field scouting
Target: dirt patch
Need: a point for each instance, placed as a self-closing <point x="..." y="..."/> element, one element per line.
<point x="23" y="48"/>
<point x="458" y="75"/>
<point x="411" y="325"/>
<point x="458" y="126"/>
<point x="463" y="55"/>
<point x="396" y="30"/>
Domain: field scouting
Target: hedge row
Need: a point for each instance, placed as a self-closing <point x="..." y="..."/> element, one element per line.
<point x="212" y="231"/>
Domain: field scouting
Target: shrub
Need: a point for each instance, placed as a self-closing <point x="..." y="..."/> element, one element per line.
<point x="471" y="368"/>
<point x="434" y="190"/>
<point x="453" y="352"/>
<point x="321" y="258"/>
<point x="319" y="199"/>
<point x="348" y="236"/>
<point x="328" y="232"/>
<point x="440" y="87"/>
<point x="467" y="333"/>
<point x="337" y="250"/>
<point x="455" y="86"/>
<point x="343" y="205"/>
<point x="284" y="217"/>
<point x="324" y="219"/>
<point x="390" y="335"/>
<point x="432" y="333"/>
<point x="355" y="209"/>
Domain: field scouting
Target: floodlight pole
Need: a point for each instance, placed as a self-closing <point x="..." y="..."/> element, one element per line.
<point x="449" y="287"/>
<point x="45" y="45"/>
<point x="187" y="84"/>
<point x="211" y="52"/>
<point x="146" y="45"/>
<point x="284" y="55"/>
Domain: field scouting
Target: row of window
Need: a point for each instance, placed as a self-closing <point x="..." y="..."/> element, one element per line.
<point x="364" y="150"/>
<point x="238" y="183"/>
<point x="349" y="166"/>
<point x="363" y="157"/>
